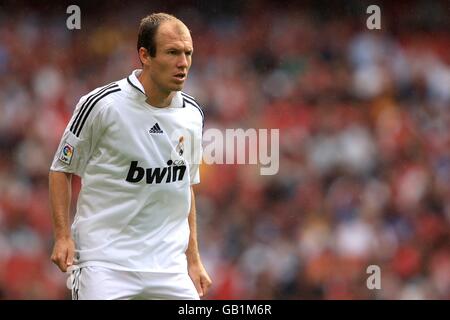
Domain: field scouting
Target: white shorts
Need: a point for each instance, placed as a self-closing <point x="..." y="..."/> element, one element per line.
<point x="99" y="283"/>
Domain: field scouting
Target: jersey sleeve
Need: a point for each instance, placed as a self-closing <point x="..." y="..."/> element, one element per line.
<point x="79" y="138"/>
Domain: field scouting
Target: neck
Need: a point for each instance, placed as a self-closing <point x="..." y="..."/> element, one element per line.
<point x="155" y="96"/>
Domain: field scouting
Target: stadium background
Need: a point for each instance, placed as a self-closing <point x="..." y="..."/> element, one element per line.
<point x="364" y="132"/>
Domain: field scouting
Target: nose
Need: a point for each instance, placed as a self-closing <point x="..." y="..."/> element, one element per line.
<point x="183" y="61"/>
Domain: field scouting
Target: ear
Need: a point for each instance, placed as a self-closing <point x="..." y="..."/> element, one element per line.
<point x="144" y="56"/>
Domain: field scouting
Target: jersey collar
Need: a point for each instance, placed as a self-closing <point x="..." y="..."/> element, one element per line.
<point x="177" y="100"/>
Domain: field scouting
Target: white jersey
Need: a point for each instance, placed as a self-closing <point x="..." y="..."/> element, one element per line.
<point x="133" y="206"/>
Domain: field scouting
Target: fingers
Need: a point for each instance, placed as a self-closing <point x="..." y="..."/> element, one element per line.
<point x="70" y="254"/>
<point x="63" y="256"/>
<point x="201" y="279"/>
<point x="63" y="253"/>
<point x="60" y="259"/>
<point x="205" y="284"/>
<point x="198" y="286"/>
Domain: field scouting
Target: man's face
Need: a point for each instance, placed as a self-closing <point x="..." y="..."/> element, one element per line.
<point x="169" y="68"/>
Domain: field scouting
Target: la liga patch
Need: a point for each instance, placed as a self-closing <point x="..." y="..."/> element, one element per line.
<point x="66" y="153"/>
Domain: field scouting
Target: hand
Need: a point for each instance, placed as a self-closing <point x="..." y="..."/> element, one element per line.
<point x="200" y="277"/>
<point x="63" y="252"/>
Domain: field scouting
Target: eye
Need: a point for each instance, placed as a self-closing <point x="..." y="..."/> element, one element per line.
<point x="188" y="53"/>
<point x="173" y="52"/>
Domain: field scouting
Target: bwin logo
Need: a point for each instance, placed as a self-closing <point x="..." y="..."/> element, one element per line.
<point x="172" y="173"/>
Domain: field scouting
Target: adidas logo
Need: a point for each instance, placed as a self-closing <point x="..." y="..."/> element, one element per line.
<point x="155" y="129"/>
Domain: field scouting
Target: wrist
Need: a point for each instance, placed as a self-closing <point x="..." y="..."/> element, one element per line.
<point x="63" y="237"/>
<point x="193" y="259"/>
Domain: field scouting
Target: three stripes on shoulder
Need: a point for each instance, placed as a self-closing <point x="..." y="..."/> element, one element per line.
<point x="91" y="101"/>
<point x="88" y="105"/>
<point x="189" y="99"/>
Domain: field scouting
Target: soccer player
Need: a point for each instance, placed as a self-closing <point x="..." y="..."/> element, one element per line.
<point x="134" y="233"/>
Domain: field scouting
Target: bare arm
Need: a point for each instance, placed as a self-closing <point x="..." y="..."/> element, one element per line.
<point x="197" y="272"/>
<point x="60" y="195"/>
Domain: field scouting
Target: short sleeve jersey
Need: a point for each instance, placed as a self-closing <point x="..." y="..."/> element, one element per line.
<point x="137" y="164"/>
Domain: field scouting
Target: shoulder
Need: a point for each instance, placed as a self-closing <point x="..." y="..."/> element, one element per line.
<point x="190" y="102"/>
<point x="102" y="95"/>
<point x="91" y="105"/>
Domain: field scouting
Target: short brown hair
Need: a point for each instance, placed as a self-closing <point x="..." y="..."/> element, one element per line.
<point x="147" y="30"/>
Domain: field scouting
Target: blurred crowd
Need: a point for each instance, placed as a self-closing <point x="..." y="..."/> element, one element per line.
<point x="364" y="119"/>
